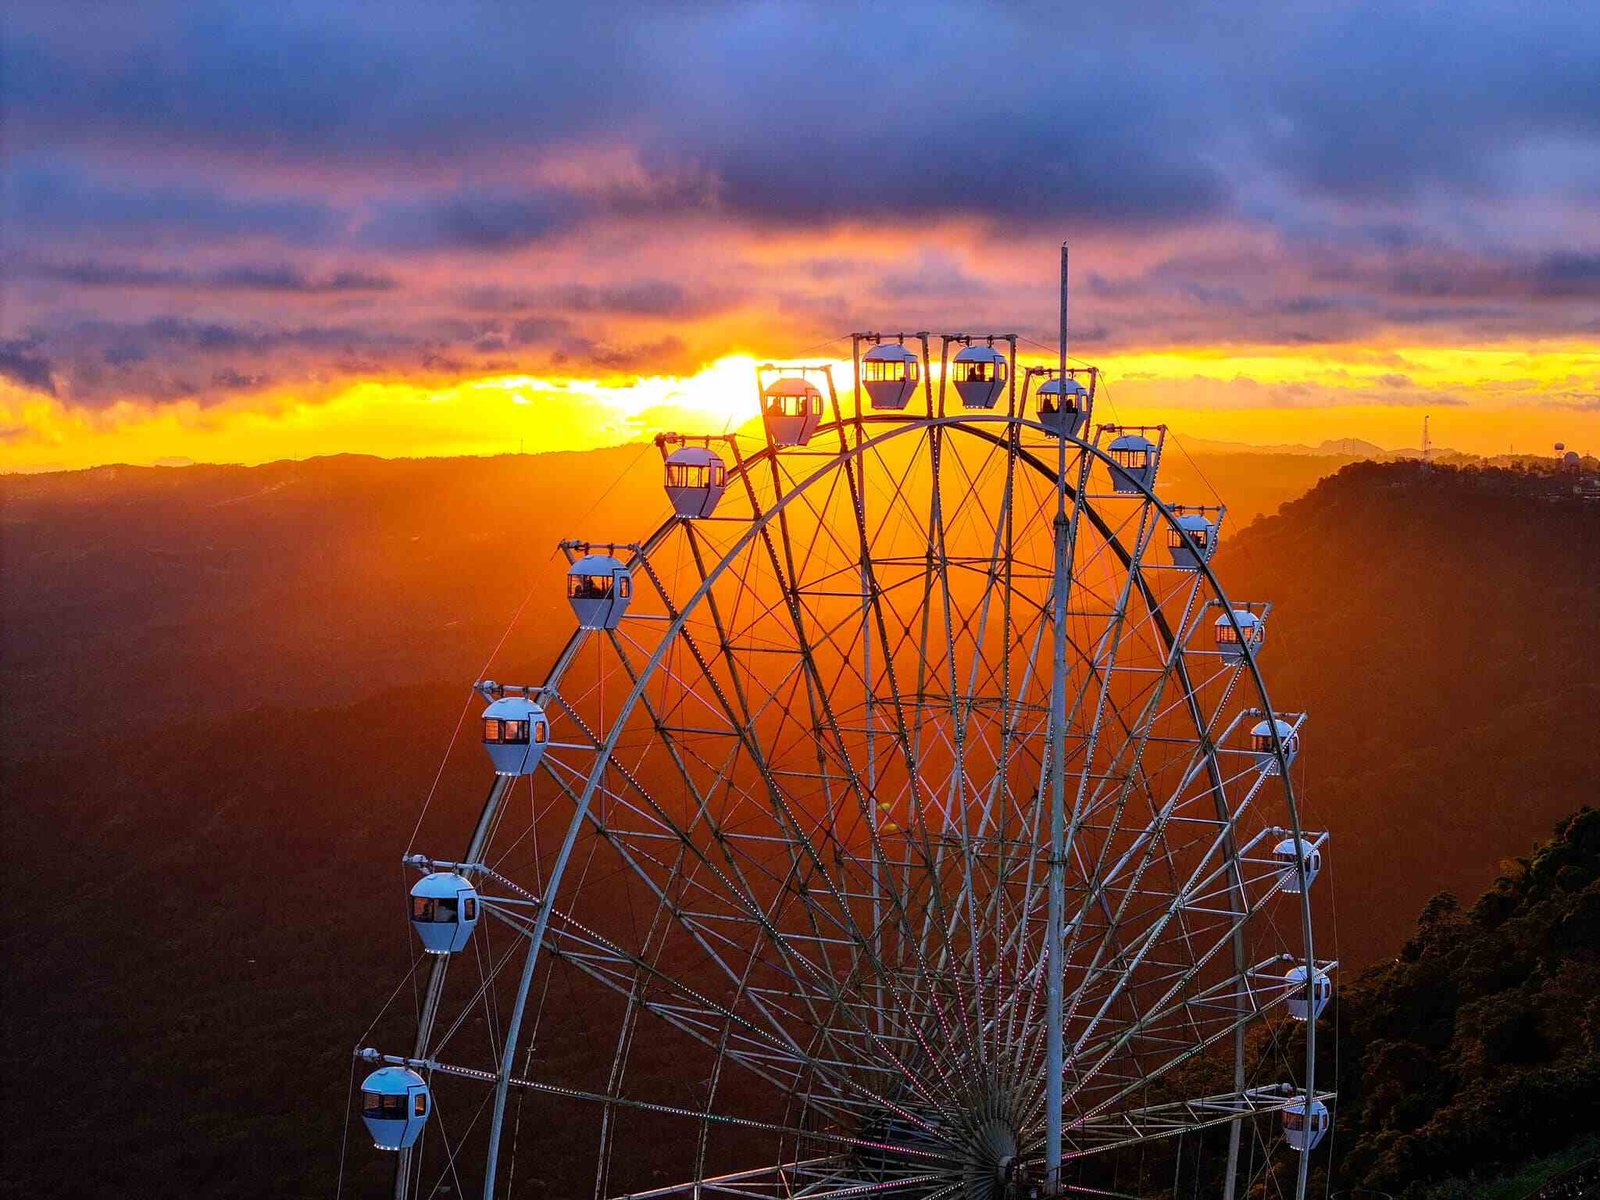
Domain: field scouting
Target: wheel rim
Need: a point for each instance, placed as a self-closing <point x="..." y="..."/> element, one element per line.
<point x="849" y="779"/>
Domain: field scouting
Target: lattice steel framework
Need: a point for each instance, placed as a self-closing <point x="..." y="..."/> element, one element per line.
<point x="777" y="908"/>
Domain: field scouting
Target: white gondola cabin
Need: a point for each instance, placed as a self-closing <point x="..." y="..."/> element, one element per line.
<point x="1305" y="1125"/>
<point x="444" y="911"/>
<point x="1191" y="540"/>
<point x="1133" y="460"/>
<point x="979" y="373"/>
<point x="1294" y="993"/>
<point x="791" y="407"/>
<point x="1239" y="638"/>
<point x="889" y="373"/>
<point x="1290" y="854"/>
<point x="1063" y="406"/>
<point x="599" y="588"/>
<point x="1261" y="744"/>
<point x="696" y="477"/>
<point x="395" y="1105"/>
<point x="515" y="732"/>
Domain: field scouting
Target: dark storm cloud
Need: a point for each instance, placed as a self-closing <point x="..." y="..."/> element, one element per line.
<point x="1569" y="275"/>
<point x="1309" y="291"/>
<point x="289" y="279"/>
<point x="988" y="110"/>
<point x="472" y="221"/>
<point x="230" y="380"/>
<point x="644" y="298"/>
<point x="244" y="277"/>
<point x="20" y="364"/>
<point x="298" y="79"/>
<point x="1377" y="101"/>
<point x="95" y="362"/>
<point x="637" y="297"/>
<point x="639" y="356"/>
<point x="1147" y="113"/>
<point x="1440" y="274"/>
<point x="796" y="112"/>
<point x="56" y="200"/>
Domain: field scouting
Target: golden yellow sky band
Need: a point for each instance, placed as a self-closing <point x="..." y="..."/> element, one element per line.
<point x="1482" y="400"/>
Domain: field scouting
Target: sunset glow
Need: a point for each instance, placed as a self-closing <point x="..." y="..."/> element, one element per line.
<point x="1482" y="401"/>
<point x="209" y="256"/>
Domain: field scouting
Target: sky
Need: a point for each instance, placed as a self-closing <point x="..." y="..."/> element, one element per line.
<point x="238" y="232"/>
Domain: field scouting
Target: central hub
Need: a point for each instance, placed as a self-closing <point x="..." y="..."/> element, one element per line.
<point x="993" y="1150"/>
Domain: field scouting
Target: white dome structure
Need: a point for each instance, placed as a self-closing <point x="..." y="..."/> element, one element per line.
<point x="1134" y="464"/>
<point x="1240" y="637"/>
<point x="889" y="373"/>
<point x="599" y="588"/>
<point x="1289" y="854"/>
<point x="395" y="1105"/>
<point x="1305" y="1125"/>
<point x="1191" y="540"/>
<point x="1294" y="993"/>
<point x="444" y="911"/>
<point x="1261" y="744"/>
<point x="1063" y="406"/>
<point x="979" y="373"/>
<point x="695" y="478"/>
<point x="515" y="731"/>
<point x="791" y="408"/>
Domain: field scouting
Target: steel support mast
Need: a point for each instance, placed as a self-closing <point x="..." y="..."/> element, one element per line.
<point x="1055" y="969"/>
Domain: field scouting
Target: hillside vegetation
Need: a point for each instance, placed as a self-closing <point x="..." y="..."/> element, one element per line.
<point x="1479" y="1046"/>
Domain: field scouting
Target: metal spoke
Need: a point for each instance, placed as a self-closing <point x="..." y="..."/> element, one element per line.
<point x="909" y="813"/>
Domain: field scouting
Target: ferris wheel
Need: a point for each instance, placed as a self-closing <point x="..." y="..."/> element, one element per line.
<point x="906" y="816"/>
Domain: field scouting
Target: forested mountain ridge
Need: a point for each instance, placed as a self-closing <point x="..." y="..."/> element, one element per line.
<point x="1442" y="629"/>
<point x="1479" y="1046"/>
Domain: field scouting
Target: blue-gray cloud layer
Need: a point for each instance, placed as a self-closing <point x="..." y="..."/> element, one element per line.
<point x="1403" y="163"/>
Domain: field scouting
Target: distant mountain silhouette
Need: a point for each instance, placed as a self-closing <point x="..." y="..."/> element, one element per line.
<point x="229" y="688"/>
<point x="1442" y="628"/>
<point x="1344" y="448"/>
<point x="216" y="589"/>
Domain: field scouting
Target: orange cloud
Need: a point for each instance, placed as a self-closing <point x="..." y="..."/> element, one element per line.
<point x="1483" y="400"/>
